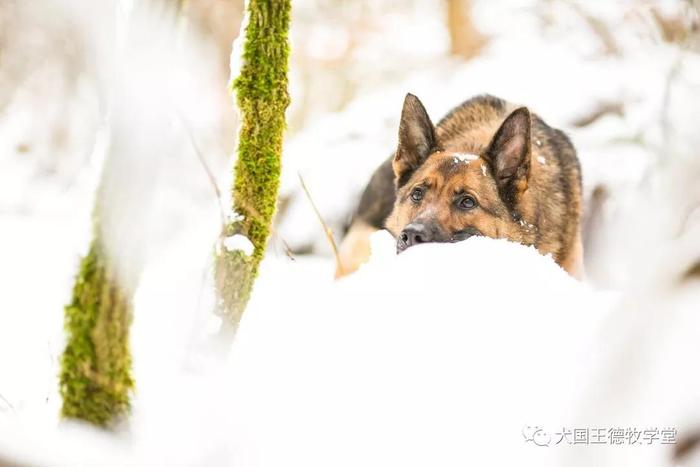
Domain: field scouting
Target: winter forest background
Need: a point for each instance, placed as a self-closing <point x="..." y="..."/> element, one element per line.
<point x="392" y="365"/>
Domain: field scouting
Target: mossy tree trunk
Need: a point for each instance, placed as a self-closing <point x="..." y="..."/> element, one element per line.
<point x="96" y="364"/>
<point x="262" y="98"/>
<point x="96" y="378"/>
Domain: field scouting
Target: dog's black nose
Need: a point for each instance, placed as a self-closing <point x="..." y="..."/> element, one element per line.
<point x="414" y="234"/>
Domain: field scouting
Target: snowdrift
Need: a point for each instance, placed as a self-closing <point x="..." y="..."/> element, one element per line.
<point x="448" y="354"/>
<point x="440" y="355"/>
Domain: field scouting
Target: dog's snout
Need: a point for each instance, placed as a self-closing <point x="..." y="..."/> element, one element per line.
<point x="414" y="234"/>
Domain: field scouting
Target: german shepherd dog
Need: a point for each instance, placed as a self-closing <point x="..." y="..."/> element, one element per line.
<point x="488" y="168"/>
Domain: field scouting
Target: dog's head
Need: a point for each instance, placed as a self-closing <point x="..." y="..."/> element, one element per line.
<point x="447" y="196"/>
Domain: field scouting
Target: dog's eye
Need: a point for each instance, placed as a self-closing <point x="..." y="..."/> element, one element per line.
<point x="467" y="203"/>
<point x="417" y="194"/>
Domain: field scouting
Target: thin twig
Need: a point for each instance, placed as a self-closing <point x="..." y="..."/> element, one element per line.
<point x="602" y="109"/>
<point x="326" y="229"/>
<point x="287" y="249"/>
<point x="7" y="403"/>
<point x="599" y="27"/>
<point x="207" y="170"/>
<point x="668" y="89"/>
<point x="688" y="214"/>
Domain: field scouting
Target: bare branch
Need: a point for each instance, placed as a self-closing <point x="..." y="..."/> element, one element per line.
<point x="207" y="169"/>
<point x="326" y="230"/>
<point x="602" y="109"/>
<point x="600" y="29"/>
<point x="10" y="406"/>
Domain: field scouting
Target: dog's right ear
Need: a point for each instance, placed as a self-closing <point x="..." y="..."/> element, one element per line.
<point x="416" y="139"/>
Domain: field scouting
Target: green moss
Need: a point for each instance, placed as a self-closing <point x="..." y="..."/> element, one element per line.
<point x="96" y="365"/>
<point x="262" y="97"/>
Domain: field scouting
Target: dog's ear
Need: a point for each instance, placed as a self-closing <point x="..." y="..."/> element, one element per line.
<point x="416" y="139"/>
<point x="508" y="154"/>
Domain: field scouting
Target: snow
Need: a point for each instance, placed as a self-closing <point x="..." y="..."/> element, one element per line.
<point x="233" y="217"/>
<point x="441" y="355"/>
<point x="239" y="242"/>
<point x="527" y="225"/>
<point x="425" y="374"/>
<point x="316" y="372"/>
<point x="464" y="158"/>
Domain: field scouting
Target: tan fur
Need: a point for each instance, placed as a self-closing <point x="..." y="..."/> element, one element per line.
<point x="573" y="262"/>
<point x="354" y="251"/>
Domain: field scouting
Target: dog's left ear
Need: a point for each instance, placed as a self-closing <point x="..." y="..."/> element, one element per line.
<point x="508" y="154"/>
<point x="416" y="139"/>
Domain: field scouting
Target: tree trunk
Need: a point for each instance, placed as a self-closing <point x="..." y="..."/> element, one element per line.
<point x="262" y="98"/>
<point x="96" y="364"/>
<point x="465" y="39"/>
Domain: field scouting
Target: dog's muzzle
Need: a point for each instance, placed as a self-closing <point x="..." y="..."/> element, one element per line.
<point x="418" y="232"/>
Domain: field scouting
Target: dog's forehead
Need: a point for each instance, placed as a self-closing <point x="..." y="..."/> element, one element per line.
<point x="449" y="165"/>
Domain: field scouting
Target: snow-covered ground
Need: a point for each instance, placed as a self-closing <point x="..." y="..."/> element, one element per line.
<point x="400" y="364"/>
<point x="445" y="355"/>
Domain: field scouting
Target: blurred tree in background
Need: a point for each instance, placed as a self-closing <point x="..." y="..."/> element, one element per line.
<point x="262" y="97"/>
<point x="465" y="39"/>
<point x="96" y="364"/>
